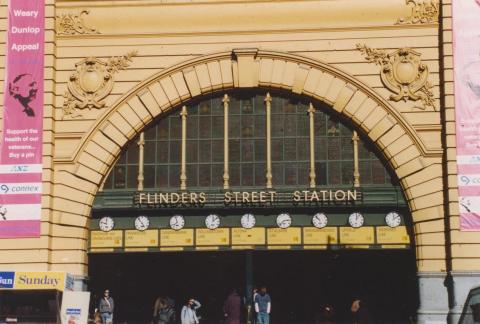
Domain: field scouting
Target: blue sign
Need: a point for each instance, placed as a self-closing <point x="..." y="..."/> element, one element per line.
<point x="7" y="279"/>
<point x="73" y="311"/>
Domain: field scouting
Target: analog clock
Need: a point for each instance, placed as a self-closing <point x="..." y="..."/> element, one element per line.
<point x="393" y="219"/>
<point x="319" y="220"/>
<point x="142" y="223"/>
<point x="356" y="220"/>
<point x="177" y="222"/>
<point x="106" y="223"/>
<point x="212" y="221"/>
<point x="284" y="220"/>
<point x="248" y="221"/>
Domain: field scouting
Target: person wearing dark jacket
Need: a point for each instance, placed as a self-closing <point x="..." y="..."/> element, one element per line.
<point x="232" y="307"/>
<point x="360" y="313"/>
<point x="106" y="307"/>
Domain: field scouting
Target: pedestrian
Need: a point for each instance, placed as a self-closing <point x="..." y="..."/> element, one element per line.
<point x="106" y="307"/>
<point x="232" y="307"/>
<point x="189" y="312"/>
<point x="253" y="315"/>
<point x="263" y="306"/>
<point x="360" y="313"/>
<point x="166" y="314"/>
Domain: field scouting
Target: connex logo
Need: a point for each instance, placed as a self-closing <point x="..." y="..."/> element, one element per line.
<point x="7" y="279"/>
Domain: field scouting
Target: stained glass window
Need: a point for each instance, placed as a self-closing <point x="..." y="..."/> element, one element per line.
<point x="290" y="143"/>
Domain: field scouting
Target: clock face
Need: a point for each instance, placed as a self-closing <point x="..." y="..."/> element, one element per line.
<point x="248" y="221"/>
<point x="106" y="223"/>
<point x="393" y="219"/>
<point x="356" y="220"/>
<point x="284" y="220"/>
<point x="177" y="222"/>
<point x="212" y="221"/>
<point x="319" y="220"/>
<point x="142" y="223"/>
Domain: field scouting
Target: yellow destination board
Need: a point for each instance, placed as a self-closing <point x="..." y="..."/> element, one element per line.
<point x="362" y="235"/>
<point x="136" y="238"/>
<point x="388" y="235"/>
<point x="183" y="237"/>
<point x="40" y="280"/>
<point x="313" y="235"/>
<point x="219" y="236"/>
<point x="287" y="236"/>
<point x="253" y="236"/>
<point x="100" y="239"/>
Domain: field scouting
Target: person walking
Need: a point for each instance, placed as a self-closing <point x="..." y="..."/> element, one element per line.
<point x="232" y="307"/>
<point x="106" y="307"/>
<point x="189" y="312"/>
<point x="263" y="306"/>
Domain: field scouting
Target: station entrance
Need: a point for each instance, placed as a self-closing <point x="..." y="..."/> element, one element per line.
<point x="299" y="282"/>
<point x="250" y="189"/>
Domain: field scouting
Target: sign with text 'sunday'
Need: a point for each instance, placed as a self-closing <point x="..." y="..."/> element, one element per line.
<point x="21" y="138"/>
<point x="466" y="33"/>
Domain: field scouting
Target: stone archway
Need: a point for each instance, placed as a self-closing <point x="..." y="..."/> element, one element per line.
<point x="418" y="171"/>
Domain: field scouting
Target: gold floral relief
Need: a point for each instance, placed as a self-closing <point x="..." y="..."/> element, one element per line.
<point x="423" y="12"/>
<point x="71" y="24"/>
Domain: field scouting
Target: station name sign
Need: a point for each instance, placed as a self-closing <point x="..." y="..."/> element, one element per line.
<point x="233" y="198"/>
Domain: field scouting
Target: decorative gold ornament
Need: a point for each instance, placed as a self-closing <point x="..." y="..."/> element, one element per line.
<point x="403" y="73"/>
<point x="71" y="24"/>
<point x="92" y="82"/>
<point x="423" y="12"/>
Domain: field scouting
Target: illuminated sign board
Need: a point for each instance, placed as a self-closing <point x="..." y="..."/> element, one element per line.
<point x="183" y="237"/>
<point x="219" y="236"/>
<point x="253" y="236"/>
<point x="291" y="235"/>
<point x="100" y="239"/>
<point x="134" y="238"/>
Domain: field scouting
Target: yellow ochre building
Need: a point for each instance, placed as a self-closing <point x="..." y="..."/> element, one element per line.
<point x="307" y="145"/>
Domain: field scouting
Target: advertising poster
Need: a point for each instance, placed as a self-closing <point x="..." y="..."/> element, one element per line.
<point x="75" y="307"/>
<point x="21" y="137"/>
<point x="466" y="51"/>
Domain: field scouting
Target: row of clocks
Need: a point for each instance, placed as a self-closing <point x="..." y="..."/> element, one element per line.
<point x="284" y="220"/>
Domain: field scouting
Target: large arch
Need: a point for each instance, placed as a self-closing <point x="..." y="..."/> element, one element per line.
<point x="418" y="170"/>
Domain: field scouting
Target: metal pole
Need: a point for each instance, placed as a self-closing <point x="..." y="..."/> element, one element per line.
<point x="141" y="160"/>
<point x="356" y="171"/>
<point x="313" y="176"/>
<point x="226" y="175"/>
<point x="268" y="104"/>
<point x="183" y="169"/>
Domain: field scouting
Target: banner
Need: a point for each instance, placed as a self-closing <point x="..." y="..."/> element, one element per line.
<point x="21" y="138"/>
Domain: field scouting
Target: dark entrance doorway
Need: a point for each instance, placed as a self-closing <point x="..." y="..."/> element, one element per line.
<point x="299" y="282"/>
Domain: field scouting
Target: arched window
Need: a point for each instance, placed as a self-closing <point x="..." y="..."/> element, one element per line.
<point x="247" y="118"/>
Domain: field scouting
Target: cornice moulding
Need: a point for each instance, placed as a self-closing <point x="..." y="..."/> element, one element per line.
<point x="195" y="17"/>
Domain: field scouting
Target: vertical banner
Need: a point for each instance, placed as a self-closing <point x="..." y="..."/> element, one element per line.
<point x="21" y="138"/>
<point x="466" y="43"/>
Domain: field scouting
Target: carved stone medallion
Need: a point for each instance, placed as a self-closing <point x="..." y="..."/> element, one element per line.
<point x="92" y="82"/>
<point x="403" y="73"/>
